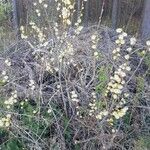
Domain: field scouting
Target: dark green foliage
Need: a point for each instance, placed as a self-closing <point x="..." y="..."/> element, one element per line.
<point x="13" y="144"/>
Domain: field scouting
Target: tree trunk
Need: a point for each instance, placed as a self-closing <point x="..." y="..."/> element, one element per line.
<point x="19" y="14"/>
<point x="86" y="13"/>
<point x="145" y="28"/>
<point x="99" y="7"/>
<point x="15" y="14"/>
<point x="78" y="8"/>
<point x="115" y="13"/>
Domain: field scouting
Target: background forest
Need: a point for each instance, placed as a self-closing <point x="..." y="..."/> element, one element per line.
<point x="74" y="74"/>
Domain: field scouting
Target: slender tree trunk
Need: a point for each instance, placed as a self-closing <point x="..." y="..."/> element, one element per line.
<point x="15" y="14"/>
<point x="86" y="14"/>
<point x="145" y="28"/>
<point x="99" y="7"/>
<point x="19" y="14"/>
<point x="115" y="13"/>
<point x="76" y="14"/>
<point x="78" y="8"/>
<point x="23" y="5"/>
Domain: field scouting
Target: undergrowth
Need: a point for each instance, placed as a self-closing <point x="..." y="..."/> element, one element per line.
<point x="66" y="86"/>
